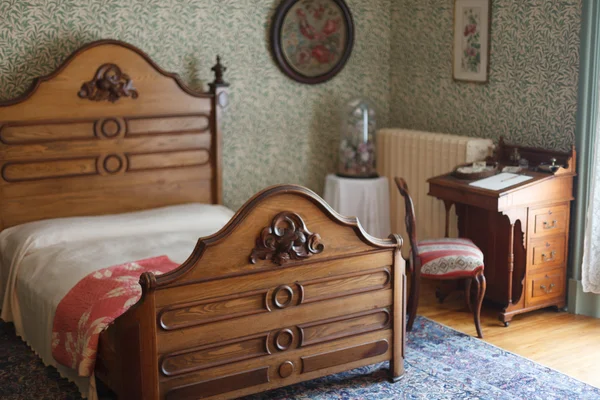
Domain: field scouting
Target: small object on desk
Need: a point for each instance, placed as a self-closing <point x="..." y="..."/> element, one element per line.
<point x="512" y="170"/>
<point x="500" y="181"/>
<point x="475" y="171"/>
<point x="479" y="165"/>
<point x="549" y="168"/>
<point x="523" y="163"/>
<point x="515" y="157"/>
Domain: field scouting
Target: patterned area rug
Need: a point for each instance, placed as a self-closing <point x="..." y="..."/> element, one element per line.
<point x="441" y="363"/>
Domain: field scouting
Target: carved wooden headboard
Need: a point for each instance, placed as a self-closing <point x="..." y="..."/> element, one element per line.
<point x="109" y="131"/>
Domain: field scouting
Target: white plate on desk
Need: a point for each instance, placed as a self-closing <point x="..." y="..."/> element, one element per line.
<point x="501" y="181"/>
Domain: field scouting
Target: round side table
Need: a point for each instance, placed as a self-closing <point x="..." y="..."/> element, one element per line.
<point x="367" y="199"/>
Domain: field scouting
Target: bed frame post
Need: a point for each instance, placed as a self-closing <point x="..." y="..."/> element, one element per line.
<point x="218" y="88"/>
<point x="136" y="359"/>
<point x="399" y="313"/>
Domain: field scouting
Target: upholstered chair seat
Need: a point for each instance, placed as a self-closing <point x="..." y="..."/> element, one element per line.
<point x="449" y="258"/>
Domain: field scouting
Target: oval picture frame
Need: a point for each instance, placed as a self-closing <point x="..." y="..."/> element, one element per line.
<point x="320" y="41"/>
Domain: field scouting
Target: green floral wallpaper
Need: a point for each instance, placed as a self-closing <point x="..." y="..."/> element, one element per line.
<point x="531" y="97"/>
<point x="275" y="130"/>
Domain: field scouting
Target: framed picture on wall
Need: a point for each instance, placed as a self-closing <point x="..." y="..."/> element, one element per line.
<point x="312" y="40"/>
<point x="471" y="40"/>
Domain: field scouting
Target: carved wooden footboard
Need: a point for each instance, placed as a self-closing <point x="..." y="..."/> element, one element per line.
<point x="288" y="291"/>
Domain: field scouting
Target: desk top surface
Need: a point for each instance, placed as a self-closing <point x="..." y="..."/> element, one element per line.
<point x="449" y="181"/>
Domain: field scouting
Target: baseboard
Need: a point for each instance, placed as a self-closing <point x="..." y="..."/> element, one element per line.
<point x="581" y="302"/>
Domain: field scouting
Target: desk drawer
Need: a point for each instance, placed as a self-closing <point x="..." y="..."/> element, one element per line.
<point x="547" y="252"/>
<point x="549" y="221"/>
<point x="545" y="286"/>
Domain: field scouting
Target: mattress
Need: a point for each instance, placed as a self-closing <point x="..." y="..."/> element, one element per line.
<point x="41" y="261"/>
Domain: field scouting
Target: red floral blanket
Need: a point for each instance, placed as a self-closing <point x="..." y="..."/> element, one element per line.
<point x="92" y="305"/>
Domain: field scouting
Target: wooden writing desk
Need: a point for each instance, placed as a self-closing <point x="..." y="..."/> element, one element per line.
<point x="522" y="230"/>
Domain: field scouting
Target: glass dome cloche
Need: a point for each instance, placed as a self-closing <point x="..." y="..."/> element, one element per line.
<point x="357" y="141"/>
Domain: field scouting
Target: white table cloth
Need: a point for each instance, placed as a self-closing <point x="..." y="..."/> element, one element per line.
<point x="367" y="199"/>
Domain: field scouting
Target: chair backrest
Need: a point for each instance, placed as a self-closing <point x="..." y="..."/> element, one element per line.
<point x="411" y="223"/>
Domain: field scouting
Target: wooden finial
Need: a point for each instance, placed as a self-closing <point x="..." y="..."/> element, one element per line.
<point x="218" y="69"/>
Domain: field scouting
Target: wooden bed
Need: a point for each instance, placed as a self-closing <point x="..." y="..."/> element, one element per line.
<point x="287" y="291"/>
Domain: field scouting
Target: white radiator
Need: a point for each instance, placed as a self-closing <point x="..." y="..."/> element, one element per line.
<point x="417" y="156"/>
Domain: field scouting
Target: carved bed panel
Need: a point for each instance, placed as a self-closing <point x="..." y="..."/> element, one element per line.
<point x="287" y="291"/>
<point x="108" y="124"/>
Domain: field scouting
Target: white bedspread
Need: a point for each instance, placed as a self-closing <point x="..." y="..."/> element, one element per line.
<point x="41" y="261"/>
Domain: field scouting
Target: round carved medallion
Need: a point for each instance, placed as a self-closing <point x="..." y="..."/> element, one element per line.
<point x="110" y="128"/>
<point x="283" y="296"/>
<point x="111" y="164"/>
<point x="284" y="339"/>
<point x="286" y="369"/>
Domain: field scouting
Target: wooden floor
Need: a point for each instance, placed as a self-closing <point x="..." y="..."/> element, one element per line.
<point x="565" y="342"/>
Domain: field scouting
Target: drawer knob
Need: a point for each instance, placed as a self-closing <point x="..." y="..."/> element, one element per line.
<point x="547" y="289"/>
<point x="548" y="226"/>
<point x="286" y="369"/>
<point x="546" y="258"/>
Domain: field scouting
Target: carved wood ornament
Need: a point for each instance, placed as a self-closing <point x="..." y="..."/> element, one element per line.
<point x="109" y="83"/>
<point x="219" y="69"/>
<point x="286" y="239"/>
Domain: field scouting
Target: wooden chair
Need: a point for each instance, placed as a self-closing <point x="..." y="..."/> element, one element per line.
<point x="441" y="259"/>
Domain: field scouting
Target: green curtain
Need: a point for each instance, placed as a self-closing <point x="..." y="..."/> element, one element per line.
<point x="587" y="121"/>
